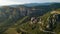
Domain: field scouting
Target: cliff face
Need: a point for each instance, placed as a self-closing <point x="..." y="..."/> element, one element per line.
<point x="11" y="12"/>
<point x="51" y="21"/>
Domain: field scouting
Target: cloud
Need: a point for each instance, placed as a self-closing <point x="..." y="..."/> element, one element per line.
<point x="29" y="1"/>
<point x="7" y="2"/>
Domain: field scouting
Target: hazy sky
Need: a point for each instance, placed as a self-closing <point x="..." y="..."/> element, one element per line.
<point x="10" y="2"/>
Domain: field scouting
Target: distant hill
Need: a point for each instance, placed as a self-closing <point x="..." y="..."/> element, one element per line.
<point x="35" y="4"/>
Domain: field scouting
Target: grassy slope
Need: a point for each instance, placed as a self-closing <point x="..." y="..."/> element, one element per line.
<point x="26" y="26"/>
